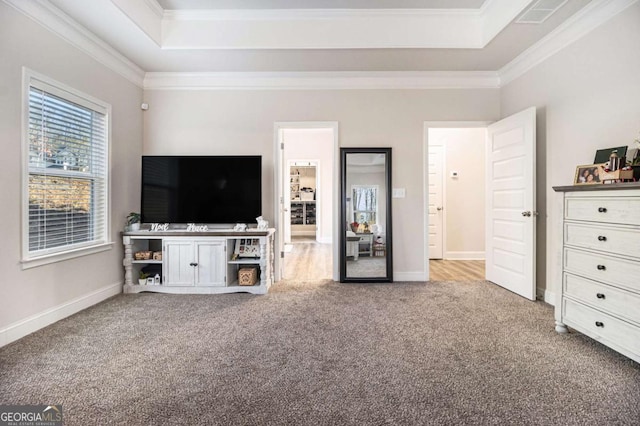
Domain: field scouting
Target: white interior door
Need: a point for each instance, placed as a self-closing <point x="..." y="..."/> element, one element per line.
<point x="436" y="197"/>
<point x="511" y="203"/>
<point x="286" y="225"/>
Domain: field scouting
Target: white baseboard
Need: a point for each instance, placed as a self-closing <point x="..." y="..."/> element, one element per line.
<point x="464" y="255"/>
<point x="35" y="322"/>
<point x="408" y="276"/>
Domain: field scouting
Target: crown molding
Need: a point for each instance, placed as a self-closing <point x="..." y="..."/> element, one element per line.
<point x="334" y="28"/>
<point x="55" y="20"/>
<point x="581" y="23"/>
<point x="321" y="80"/>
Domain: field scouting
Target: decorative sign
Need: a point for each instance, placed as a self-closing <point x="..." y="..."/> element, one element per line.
<point x="192" y="227"/>
<point x="159" y="227"/>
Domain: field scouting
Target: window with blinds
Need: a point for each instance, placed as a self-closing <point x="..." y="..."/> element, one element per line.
<point x="67" y="171"/>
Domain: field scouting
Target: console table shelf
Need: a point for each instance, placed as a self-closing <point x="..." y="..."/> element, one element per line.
<point x="198" y="262"/>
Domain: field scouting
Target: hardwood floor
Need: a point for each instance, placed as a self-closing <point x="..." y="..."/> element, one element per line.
<point x="456" y="270"/>
<point x="308" y="260"/>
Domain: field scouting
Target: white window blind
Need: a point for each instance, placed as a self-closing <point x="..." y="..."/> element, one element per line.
<point x="67" y="171"/>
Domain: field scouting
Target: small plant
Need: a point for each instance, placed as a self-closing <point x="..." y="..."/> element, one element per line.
<point x="144" y="275"/>
<point x="132" y="218"/>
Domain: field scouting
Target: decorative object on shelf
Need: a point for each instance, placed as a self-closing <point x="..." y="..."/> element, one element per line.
<point x="587" y="175"/>
<point x="151" y="281"/>
<point x="157" y="255"/>
<point x="133" y="222"/>
<point x="156" y="279"/>
<point x="247" y="247"/>
<point x="192" y="227"/>
<point x="159" y="227"/>
<point x="142" y="278"/>
<point x="142" y="255"/>
<point x="354" y="226"/>
<point x="262" y="224"/>
<point x="620" y="175"/>
<point x="240" y="227"/>
<point x="602" y="155"/>
<point x="247" y="276"/>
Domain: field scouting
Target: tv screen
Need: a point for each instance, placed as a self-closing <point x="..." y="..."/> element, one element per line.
<point x="203" y="189"/>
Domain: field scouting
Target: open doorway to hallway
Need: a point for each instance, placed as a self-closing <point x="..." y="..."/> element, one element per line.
<point x="456" y="200"/>
<point x="307" y="162"/>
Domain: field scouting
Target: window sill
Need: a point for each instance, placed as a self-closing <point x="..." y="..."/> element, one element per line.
<point x="67" y="255"/>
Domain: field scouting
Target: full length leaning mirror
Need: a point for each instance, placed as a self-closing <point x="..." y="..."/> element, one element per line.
<point x="365" y="213"/>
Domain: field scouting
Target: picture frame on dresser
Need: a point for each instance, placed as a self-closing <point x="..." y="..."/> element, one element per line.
<point x="588" y="174"/>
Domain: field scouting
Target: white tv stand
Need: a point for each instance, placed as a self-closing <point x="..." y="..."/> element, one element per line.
<point x="198" y="262"/>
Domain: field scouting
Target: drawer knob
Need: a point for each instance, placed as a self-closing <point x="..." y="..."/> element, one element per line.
<point x="602" y="238"/>
<point x="602" y="209"/>
<point x="601" y="267"/>
<point x="600" y="296"/>
<point x="599" y="324"/>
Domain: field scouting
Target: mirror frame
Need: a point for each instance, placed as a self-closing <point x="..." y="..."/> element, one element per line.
<point x="343" y="216"/>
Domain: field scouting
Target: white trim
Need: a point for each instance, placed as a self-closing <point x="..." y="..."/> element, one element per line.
<point x="55" y="20"/>
<point x="315" y="14"/>
<point x="399" y="276"/>
<point x="337" y="28"/>
<point x="577" y="26"/>
<point x="65" y="255"/>
<point x="464" y="255"/>
<point x="550" y="297"/>
<point x="321" y="80"/>
<point x="35" y="322"/>
<point x="278" y="182"/>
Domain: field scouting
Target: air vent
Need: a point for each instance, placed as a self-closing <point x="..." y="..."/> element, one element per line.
<point x="540" y="11"/>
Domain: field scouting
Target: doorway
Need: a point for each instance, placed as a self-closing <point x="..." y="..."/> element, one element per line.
<point x="306" y="200"/>
<point x="455" y="201"/>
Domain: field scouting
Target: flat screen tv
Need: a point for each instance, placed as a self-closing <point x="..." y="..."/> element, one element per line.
<point x="201" y="189"/>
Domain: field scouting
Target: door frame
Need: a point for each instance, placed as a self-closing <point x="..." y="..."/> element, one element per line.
<point x="425" y="174"/>
<point x="444" y="198"/>
<point x="278" y="176"/>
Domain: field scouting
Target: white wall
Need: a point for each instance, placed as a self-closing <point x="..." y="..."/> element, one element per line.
<point x="465" y="195"/>
<point x="241" y="122"/>
<point x="588" y="97"/>
<point x="58" y="289"/>
<point x="315" y="144"/>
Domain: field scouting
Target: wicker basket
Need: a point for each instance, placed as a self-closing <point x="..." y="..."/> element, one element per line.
<point x="157" y="255"/>
<point x="247" y="276"/>
<point x="142" y="255"/>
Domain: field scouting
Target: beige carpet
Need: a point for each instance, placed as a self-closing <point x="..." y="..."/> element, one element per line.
<point x="322" y="354"/>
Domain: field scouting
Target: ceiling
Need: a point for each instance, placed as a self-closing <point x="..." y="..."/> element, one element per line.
<point x="314" y="35"/>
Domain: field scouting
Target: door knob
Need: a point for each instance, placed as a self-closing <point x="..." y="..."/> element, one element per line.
<point x="438" y="208"/>
<point x="526" y="214"/>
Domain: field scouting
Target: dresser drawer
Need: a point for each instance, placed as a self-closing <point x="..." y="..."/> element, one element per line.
<point x="601" y="326"/>
<point x="621" y="303"/>
<point x="622" y="210"/>
<point x="607" y="239"/>
<point x="608" y="269"/>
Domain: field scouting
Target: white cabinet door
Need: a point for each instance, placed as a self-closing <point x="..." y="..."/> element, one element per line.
<point x="212" y="263"/>
<point x="178" y="263"/>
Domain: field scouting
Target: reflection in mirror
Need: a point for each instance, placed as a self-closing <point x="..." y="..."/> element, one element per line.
<point x="366" y="215"/>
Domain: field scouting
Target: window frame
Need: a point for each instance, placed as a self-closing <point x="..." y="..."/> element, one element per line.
<point x="100" y="243"/>
<point x="375" y="212"/>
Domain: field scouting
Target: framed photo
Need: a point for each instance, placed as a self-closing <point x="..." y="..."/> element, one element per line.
<point x="247" y="247"/>
<point x="602" y="155"/>
<point x="588" y="174"/>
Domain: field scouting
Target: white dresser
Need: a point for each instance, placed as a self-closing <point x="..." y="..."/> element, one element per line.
<point x="600" y="292"/>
